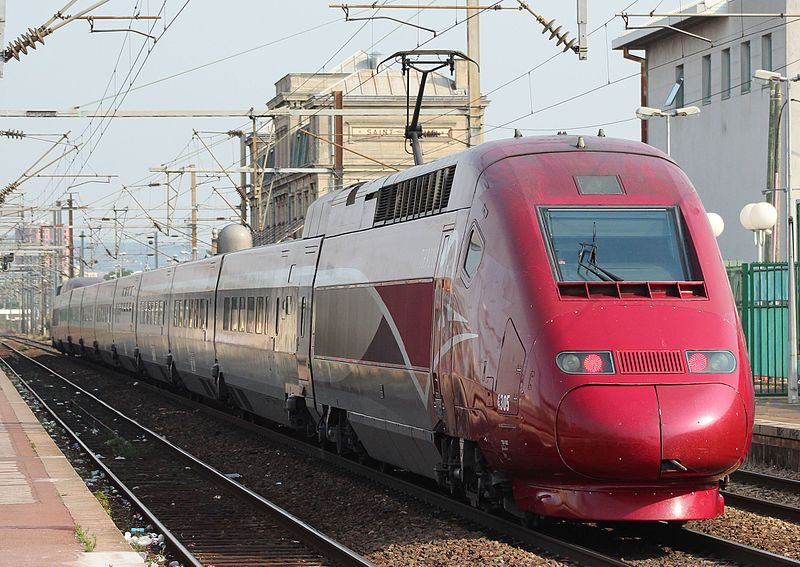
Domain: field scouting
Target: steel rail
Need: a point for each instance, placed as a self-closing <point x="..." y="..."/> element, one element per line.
<point x="541" y="541"/>
<point x="678" y="538"/>
<point x="761" y="506"/>
<point x="309" y="535"/>
<point x="768" y="480"/>
<point x="737" y="552"/>
<point x="178" y="548"/>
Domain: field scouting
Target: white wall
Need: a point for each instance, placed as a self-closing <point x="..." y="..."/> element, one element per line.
<point x="724" y="149"/>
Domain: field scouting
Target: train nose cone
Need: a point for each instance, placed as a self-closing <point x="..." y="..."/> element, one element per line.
<point x="611" y="432"/>
<point x="623" y="432"/>
<point x="703" y="427"/>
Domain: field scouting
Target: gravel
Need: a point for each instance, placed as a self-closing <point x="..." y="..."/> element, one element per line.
<point x="387" y="528"/>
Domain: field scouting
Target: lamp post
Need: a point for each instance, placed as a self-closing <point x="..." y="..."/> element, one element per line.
<point x="646" y="112"/>
<point x="759" y="218"/>
<point x="765" y="75"/>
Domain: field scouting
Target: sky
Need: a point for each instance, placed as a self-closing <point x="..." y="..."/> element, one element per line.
<point x="531" y="84"/>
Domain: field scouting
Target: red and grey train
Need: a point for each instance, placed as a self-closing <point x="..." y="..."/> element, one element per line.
<point x="543" y="324"/>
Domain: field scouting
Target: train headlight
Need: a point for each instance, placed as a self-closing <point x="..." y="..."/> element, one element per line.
<point x="585" y="362"/>
<point x="710" y="361"/>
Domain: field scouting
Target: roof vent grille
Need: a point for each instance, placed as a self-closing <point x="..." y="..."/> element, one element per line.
<point x="420" y="196"/>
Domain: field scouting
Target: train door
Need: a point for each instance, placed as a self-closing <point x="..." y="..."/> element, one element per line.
<point x="509" y="372"/>
<point x="442" y="366"/>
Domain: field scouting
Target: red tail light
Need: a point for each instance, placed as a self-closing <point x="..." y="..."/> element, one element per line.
<point x="710" y="361"/>
<point x="585" y="362"/>
<point x="698" y="362"/>
<point x="593" y="363"/>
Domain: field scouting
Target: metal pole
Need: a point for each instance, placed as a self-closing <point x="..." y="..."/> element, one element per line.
<point x="80" y="269"/>
<point x="54" y="241"/>
<point x="42" y="297"/>
<point x="475" y="134"/>
<point x="773" y="166"/>
<point x="255" y="219"/>
<point x="790" y="253"/>
<point x="759" y="238"/>
<point x="669" y="153"/>
<point x="155" y="243"/>
<point x="70" y="242"/>
<point x="338" y="139"/>
<point x="194" y="215"/>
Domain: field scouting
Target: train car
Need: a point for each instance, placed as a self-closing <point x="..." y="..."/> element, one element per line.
<point x="104" y="312"/>
<point x="192" y="305"/>
<point x="263" y="328"/>
<point x="123" y="324"/>
<point x="152" y="343"/>
<point x="69" y="334"/>
<point x="540" y="324"/>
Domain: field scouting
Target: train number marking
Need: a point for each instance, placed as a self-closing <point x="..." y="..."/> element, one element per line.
<point x="503" y="402"/>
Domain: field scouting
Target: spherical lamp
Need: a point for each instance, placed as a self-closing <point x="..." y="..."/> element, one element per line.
<point x="763" y="216"/>
<point x="744" y="216"/>
<point x="717" y="224"/>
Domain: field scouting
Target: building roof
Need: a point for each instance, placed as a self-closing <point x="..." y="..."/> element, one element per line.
<point x="656" y="28"/>
<point x="392" y="82"/>
<point x="358" y="76"/>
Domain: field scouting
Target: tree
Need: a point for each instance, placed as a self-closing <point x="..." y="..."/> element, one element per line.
<point x="113" y="274"/>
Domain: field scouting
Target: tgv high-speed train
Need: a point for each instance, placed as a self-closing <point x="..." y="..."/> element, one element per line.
<point x="543" y="324"/>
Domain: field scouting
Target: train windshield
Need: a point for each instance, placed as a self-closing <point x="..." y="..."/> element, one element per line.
<point x="616" y="244"/>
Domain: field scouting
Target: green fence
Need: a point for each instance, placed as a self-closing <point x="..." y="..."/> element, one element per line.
<point x="761" y="291"/>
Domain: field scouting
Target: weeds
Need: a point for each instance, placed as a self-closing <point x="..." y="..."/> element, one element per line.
<point x="103" y="499"/>
<point x="88" y="543"/>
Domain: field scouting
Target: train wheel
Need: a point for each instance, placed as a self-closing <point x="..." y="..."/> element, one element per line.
<point x="534" y="521"/>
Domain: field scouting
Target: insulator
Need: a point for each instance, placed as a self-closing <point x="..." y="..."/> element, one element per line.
<point x="548" y="26"/>
<point x="21" y="44"/>
<point x="18" y="134"/>
<point x="555" y="33"/>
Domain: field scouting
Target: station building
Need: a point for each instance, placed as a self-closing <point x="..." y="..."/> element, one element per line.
<point x="373" y="145"/>
<point x="724" y="148"/>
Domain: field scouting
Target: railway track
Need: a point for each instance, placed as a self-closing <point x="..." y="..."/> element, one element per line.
<point x="602" y="547"/>
<point x="760" y="505"/>
<point x="194" y="505"/>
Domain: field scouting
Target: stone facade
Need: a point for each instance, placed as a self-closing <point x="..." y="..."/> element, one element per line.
<point x="286" y="196"/>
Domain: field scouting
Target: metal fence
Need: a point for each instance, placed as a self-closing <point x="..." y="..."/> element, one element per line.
<point x="761" y="291"/>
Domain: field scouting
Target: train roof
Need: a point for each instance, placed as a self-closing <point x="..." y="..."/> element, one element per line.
<point x="75" y="283"/>
<point x="446" y="184"/>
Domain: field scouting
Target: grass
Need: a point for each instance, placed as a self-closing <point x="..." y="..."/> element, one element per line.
<point x="88" y="543"/>
<point x="103" y="499"/>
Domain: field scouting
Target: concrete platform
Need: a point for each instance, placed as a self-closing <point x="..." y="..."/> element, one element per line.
<point x="42" y="499"/>
<point x="776" y="435"/>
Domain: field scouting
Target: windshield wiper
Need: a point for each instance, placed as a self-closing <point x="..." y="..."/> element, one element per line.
<point x="592" y="266"/>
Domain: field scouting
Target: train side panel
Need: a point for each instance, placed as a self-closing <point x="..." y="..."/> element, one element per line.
<point x="191" y="310"/>
<point x="265" y="299"/>
<point x="151" y="322"/>
<point x="74" y="321"/>
<point x="104" y="312"/>
<point x="60" y="322"/>
<point x="124" y="326"/>
<point x="373" y="325"/>
<point x="86" y="334"/>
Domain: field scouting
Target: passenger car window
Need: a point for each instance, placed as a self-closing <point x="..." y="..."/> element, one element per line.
<point x="226" y="314"/>
<point x="474" y="253"/>
<point x="259" y="315"/>
<point x="251" y="312"/>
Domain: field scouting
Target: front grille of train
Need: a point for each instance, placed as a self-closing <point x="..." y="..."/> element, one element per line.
<point x="650" y="362"/>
